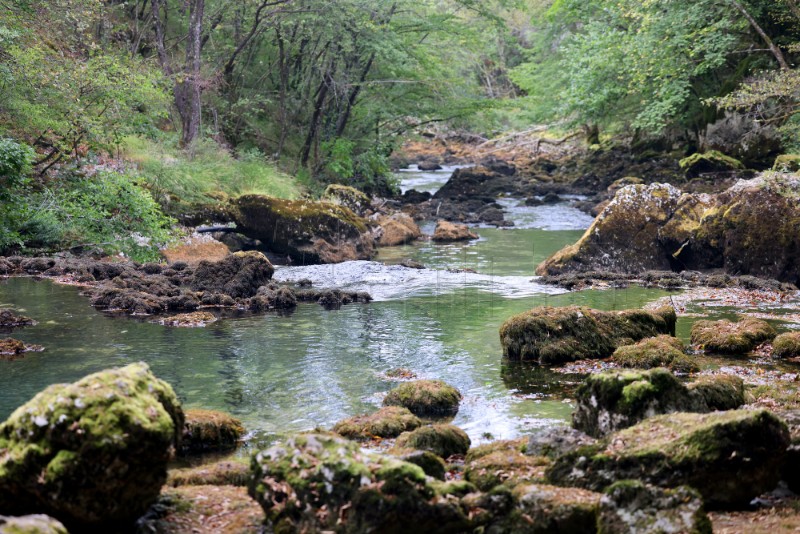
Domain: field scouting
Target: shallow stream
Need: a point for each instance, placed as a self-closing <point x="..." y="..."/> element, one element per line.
<point x="282" y="372"/>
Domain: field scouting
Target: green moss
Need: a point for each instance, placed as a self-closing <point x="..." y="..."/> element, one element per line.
<point x="231" y="472"/>
<point x="511" y="445"/>
<point x="443" y="440"/>
<point x="432" y="464"/>
<point x="210" y="431"/>
<point x="346" y="196"/>
<point x="709" y="162"/>
<point x="425" y="398"/>
<point x="720" y="392"/>
<point x="787" y="163"/>
<point x="509" y="468"/>
<point x="388" y="422"/>
<point x="786" y="345"/>
<point x="661" y="351"/>
<point x="550" y="335"/>
<point x="726" y="337"/>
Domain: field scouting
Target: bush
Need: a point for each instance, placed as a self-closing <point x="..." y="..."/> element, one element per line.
<point x="15" y="163"/>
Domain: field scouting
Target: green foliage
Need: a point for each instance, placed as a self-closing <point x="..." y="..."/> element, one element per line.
<point x="15" y="162"/>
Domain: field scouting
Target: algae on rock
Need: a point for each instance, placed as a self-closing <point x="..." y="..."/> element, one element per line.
<point x="660" y="351"/>
<point x="443" y="440"/>
<point x="210" y="431"/>
<point x="425" y="398"/>
<point x="388" y="422"/>
<point x="726" y="337"/>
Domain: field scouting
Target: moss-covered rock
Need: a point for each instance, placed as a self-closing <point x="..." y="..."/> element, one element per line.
<point x="787" y="163"/>
<point x="188" y="320"/>
<point x="308" y="232"/>
<point x="442" y="440"/>
<point x="556" y="441"/>
<point x="12" y="349"/>
<point x="388" y="422"/>
<point x="31" y="524"/>
<point x="231" y="472"/>
<point x="660" y="351"/>
<point x="9" y="319"/>
<point x="431" y="464"/>
<point x="426" y="398"/>
<point x="90" y="453"/>
<point x="398" y="229"/>
<point x="550" y="335"/>
<point x="632" y="506"/>
<point x="786" y="345"/>
<point x="729" y="457"/>
<point x="509" y="468"/>
<point x="726" y="337"/>
<point x="504" y="445"/>
<point x="314" y="482"/>
<point x="541" y="508"/>
<point x="210" y="431"/>
<point x="446" y="231"/>
<point x="238" y="275"/>
<point x="709" y="162"/>
<point x="607" y="402"/>
<point x="624" y="237"/>
<point x="719" y="392"/>
<point x="349" y="197"/>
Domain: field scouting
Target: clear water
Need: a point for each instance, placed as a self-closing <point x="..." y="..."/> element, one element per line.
<point x="294" y="371"/>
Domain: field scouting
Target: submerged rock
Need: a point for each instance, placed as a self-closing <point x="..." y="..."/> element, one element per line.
<point x="426" y="398"/>
<point x="631" y="506"/>
<point x="613" y="400"/>
<point x="9" y="319"/>
<point x="726" y="337"/>
<point x="31" y="524"/>
<point x="12" y="349"/>
<point x="308" y="232"/>
<point x="786" y="345"/>
<point x="398" y="229"/>
<point x="210" y="431"/>
<point x="443" y="440"/>
<point x="388" y="422"/>
<point x="729" y="457"/>
<point x="660" y="351"/>
<point x="550" y="335"/>
<point x="90" y="453"/>
<point x="318" y="482"/>
<point x="189" y="320"/>
<point x="447" y="231"/>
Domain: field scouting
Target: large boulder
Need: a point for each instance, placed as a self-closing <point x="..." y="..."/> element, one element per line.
<point x="729" y="457"/>
<point x="308" y="232"/>
<point x="475" y="182"/>
<point x="632" y="506"/>
<point x="318" y="482"/>
<point x="610" y="401"/>
<point x="550" y="335"/>
<point x="90" y="453"/>
<point x="656" y="228"/>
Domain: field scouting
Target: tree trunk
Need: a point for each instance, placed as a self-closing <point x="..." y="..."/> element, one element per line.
<point x="772" y="47"/>
<point x="190" y="85"/>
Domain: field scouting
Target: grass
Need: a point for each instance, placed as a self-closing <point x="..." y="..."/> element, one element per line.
<point x="205" y="174"/>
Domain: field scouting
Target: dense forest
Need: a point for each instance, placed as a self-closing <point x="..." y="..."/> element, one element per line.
<point x="116" y="115"/>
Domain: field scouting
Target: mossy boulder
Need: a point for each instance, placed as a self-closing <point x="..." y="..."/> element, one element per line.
<point x="232" y="472"/>
<point x="318" y="482"/>
<point x="613" y="400"/>
<point x="726" y="337"/>
<point x="624" y="237"/>
<point x="210" y="431"/>
<point x="787" y="163"/>
<point x="509" y="468"/>
<point x="398" y="229"/>
<point x="660" y="351"/>
<point x="443" y="440"/>
<point x="518" y="445"/>
<point x="349" y="197"/>
<point x="633" y="506"/>
<point x="549" y="335"/>
<point x="786" y="345"/>
<point x="541" y="508"/>
<point x="446" y="232"/>
<point x="433" y="465"/>
<point x="556" y="441"/>
<point x="90" y="453"/>
<point x="709" y="162"/>
<point x="425" y="398"/>
<point x="729" y="457"/>
<point x="388" y="422"/>
<point x="308" y="232"/>
<point x="238" y="275"/>
<point x="719" y="392"/>
<point x="31" y="524"/>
